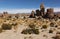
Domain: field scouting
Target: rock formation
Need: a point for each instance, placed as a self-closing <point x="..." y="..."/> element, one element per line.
<point x="32" y="14"/>
<point x="42" y="9"/>
<point x="50" y="13"/>
<point x="41" y="12"/>
<point x="38" y="13"/>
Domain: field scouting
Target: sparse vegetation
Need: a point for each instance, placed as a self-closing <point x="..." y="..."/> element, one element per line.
<point x="50" y="31"/>
<point x="56" y="26"/>
<point x="14" y="24"/>
<point x="6" y="26"/>
<point x="30" y="31"/>
<point x="44" y="27"/>
<point x="32" y="26"/>
<point x="36" y="31"/>
<point x="24" y="31"/>
<point x="30" y="37"/>
<point x="52" y="24"/>
<point x="58" y="32"/>
<point x="41" y="23"/>
<point x="56" y="37"/>
<point x="0" y="30"/>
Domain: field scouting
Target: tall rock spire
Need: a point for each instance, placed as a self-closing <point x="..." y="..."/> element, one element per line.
<point x="41" y="6"/>
<point x="42" y="9"/>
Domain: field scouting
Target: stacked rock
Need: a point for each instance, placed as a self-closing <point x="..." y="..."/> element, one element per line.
<point x="38" y="13"/>
<point x="42" y="9"/>
<point x="32" y="14"/>
<point x="50" y="13"/>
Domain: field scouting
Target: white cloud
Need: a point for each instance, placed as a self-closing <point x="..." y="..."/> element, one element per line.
<point x="17" y="10"/>
<point x="25" y="10"/>
<point x="56" y="9"/>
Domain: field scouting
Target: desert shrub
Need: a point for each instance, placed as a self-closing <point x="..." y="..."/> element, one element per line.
<point x="30" y="37"/>
<point x="9" y="16"/>
<point x="14" y="24"/>
<point x="16" y="17"/>
<point x="30" y="31"/>
<point x="24" y="17"/>
<point x="52" y="24"/>
<point x="56" y="19"/>
<point x="56" y="37"/>
<point x="44" y="26"/>
<point x="31" y="25"/>
<point x="56" y="25"/>
<point x="4" y="20"/>
<point x="59" y="17"/>
<point x="27" y="31"/>
<point x="35" y="31"/>
<point x="24" y="32"/>
<point x="0" y="30"/>
<point x="6" y="26"/>
<point x="44" y="35"/>
<point x="58" y="32"/>
<point x="50" y="31"/>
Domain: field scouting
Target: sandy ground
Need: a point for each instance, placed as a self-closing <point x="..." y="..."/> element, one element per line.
<point x="10" y="34"/>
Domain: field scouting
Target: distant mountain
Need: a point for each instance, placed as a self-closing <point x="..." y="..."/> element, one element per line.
<point x="57" y="12"/>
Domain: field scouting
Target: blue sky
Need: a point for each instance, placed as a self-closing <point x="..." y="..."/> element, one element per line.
<point x="15" y="6"/>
